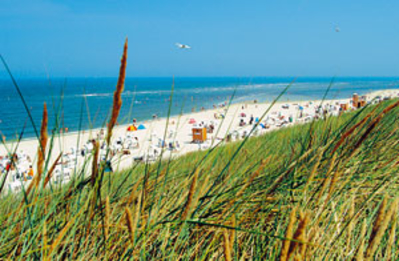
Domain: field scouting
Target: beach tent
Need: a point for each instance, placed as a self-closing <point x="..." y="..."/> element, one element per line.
<point x="131" y="128"/>
<point x="191" y="121"/>
<point x="141" y="127"/>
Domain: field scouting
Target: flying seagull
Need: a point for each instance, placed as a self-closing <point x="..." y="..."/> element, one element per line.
<point x="183" y="46"/>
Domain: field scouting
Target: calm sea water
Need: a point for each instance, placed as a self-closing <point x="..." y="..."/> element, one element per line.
<point x="82" y="103"/>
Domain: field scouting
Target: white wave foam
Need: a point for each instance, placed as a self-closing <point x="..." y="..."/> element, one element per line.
<point x="210" y="89"/>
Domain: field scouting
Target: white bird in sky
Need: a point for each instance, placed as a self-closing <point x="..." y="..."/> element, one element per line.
<point x="183" y="46"/>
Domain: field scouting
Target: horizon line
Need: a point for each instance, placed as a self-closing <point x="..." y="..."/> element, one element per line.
<point x="221" y="76"/>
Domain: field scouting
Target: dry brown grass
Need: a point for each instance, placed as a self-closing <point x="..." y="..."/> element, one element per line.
<point x="94" y="165"/>
<point x="299" y="236"/>
<point x="117" y="104"/>
<point x="226" y="245"/>
<point x="41" y="151"/>
<point x="380" y="226"/>
<point x="289" y="233"/>
<point x="130" y="224"/>
<point x="190" y="196"/>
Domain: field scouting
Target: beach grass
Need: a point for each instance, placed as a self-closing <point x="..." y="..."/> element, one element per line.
<point x="326" y="190"/>
<point x="287" y="195"/>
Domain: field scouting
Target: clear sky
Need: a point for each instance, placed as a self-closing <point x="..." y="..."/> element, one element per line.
<point x="68" y="38"/>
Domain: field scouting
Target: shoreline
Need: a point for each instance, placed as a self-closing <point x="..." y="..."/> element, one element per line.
<point x="33" y="138"/>
<point x="180" y="131"/>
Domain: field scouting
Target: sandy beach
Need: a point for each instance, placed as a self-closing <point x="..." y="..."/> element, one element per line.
<point x="177" y="133"/>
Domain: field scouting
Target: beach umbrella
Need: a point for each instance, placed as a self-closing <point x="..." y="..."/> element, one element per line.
<point x="191" y="121"/>
<point x="141" y="127"/>
<point x="131" y="128"/>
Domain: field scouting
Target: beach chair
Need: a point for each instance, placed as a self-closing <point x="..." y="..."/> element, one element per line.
<point x="67" y="174"/>
<point x="128" y="143"/>
<point x="235" y="135"/>
<point x="204" y="146"/>
<point x="308" y="119"/>
<point x="15" y="186"/>
<point x="177" y="146"/>
<point x="103" y="154"/>
<point x="171" y="134"/>
<point x="149" y="157"/>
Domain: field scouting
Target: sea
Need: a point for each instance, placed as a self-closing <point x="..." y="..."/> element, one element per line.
<point x="84" y="103"/>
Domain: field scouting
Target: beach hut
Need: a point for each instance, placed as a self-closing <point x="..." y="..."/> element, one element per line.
<point x="192" y="121"/>
<point x="141" y="127"/>
<point x="199" y="135"/>
<point x="361" y="103"/>
<point x="131" y="128"/>
<point x="344" y="106"/>
<point x="355" y="99"/>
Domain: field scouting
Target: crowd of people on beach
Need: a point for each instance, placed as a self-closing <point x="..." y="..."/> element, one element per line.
<point x="19" y="165"/>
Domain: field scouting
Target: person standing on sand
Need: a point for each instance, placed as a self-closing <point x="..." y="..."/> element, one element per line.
<point x="102" y="134"/>
<point x="251" y="120"/>
<point x="30" y="172"/>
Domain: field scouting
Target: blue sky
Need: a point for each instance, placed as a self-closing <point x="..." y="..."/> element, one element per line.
<point x="68" y="38"/>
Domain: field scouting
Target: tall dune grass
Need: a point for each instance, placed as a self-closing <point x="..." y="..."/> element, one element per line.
<point x="330" y="193"/>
